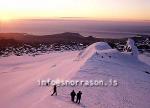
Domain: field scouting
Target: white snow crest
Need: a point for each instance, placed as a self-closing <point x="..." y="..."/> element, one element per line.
<point x="92" y="49"/>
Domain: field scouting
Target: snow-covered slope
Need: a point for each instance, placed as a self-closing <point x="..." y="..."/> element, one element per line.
<point x="134" y="83"/>
<point x="19" y="75"/>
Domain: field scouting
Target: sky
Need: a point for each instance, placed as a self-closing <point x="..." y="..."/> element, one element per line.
<point x="79" y="9"/>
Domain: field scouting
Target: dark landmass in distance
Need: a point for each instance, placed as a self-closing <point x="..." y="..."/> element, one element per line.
<point x="23" y="43"/>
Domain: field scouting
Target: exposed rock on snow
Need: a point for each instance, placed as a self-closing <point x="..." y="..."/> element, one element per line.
<point x="130" y="47"/>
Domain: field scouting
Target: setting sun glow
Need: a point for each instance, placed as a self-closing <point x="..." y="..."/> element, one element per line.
<point x="5" y="19"/>
<point x="92" y="9"/>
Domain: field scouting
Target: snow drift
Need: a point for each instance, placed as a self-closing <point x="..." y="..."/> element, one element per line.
<point x="102" y="51"/>
<point x="93" y="49"/>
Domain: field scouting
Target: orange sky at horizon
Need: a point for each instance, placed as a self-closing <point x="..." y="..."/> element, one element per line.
<point x="80" y="9"/>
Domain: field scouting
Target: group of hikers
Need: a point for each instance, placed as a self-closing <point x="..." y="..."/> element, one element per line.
<point x="78" y="96"/>
<point x="73" y="94"/>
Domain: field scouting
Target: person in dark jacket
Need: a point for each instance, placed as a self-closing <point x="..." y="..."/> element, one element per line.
<point x="73" y="94"/>
<point x="54" y="90"/>
<point x="78" y="97"/>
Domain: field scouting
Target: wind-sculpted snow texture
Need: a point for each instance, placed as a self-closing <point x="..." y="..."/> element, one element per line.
<point x="19" y="75"/>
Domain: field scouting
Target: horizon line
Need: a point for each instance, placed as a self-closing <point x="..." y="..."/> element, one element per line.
<point x="83" y="19"/>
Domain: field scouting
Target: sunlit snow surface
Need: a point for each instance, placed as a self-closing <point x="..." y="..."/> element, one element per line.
<point x="19" y="75"/>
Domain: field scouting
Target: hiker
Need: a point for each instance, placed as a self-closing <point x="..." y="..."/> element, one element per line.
<point x="78" y="97"/>
<point x="73" y="94"/>
<point x="54" y="90"/>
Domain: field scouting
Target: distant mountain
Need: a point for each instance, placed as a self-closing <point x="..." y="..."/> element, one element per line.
<point x="64" y="38"/>
<point x="67" y="36"/>
<point x="27" y="38"/>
